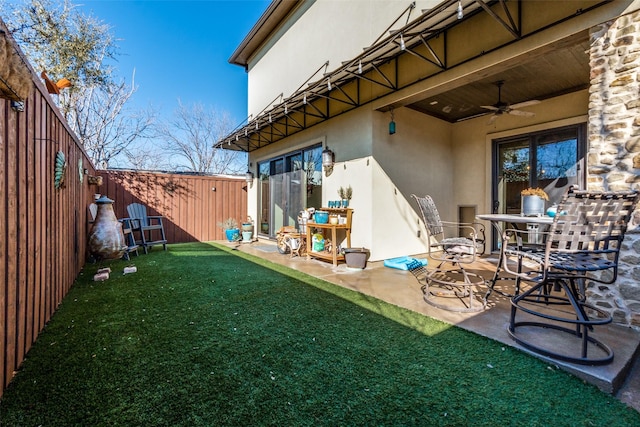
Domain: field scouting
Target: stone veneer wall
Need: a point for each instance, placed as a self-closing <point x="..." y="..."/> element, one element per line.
<point x="613" y="161"/>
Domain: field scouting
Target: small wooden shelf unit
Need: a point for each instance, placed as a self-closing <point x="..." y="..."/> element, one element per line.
<point x="332" y="230"/>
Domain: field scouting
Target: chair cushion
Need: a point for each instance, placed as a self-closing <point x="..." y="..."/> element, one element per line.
<point x="458" y="245"/>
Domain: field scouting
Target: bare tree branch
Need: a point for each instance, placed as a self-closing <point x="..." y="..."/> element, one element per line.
<point x="59" y="39"/>
<point x="191" y="135"/>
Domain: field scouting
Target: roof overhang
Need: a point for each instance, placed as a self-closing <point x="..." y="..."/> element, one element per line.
<point x="275" y="14"/>
<point x="404" y="57"/>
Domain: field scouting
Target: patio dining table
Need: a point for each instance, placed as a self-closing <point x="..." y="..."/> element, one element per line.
<point x="534" y="224"/>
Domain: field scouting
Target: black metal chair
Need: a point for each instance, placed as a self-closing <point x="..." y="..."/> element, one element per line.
<point x="449" y="279"/>
<point x="582" y="245"/>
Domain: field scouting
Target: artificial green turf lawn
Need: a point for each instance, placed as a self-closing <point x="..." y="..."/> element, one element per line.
<point x="203" y="335"/>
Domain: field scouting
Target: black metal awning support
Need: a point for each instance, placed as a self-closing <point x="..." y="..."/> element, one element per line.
<point x="388" y="65"/>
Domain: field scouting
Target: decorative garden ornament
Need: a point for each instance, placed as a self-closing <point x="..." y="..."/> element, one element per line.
<point x="106" y="240"/>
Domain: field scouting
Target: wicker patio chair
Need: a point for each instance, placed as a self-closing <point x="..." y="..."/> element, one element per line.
<point x="449" y="286"/>
<point x="582" y="245"/>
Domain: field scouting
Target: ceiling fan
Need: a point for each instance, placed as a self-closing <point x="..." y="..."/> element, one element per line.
<point x="500" y="108"/>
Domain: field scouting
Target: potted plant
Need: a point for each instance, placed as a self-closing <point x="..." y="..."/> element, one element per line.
<point x="345" y="195"/>
<point x="533" y="201"/>
<point x="230" y="227"/>
<point x="247" y="230"/>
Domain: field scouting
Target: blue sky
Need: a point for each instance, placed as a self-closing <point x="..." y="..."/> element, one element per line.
<point x="180" y="50"/>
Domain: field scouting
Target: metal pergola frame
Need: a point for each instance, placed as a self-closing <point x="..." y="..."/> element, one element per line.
<point x="423" y="42"/>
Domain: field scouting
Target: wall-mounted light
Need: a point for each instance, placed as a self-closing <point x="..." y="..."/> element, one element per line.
<point x="392" y="125"/>
<point x="249" y="178"/>
<point x="17" y="106"/>
<point x="460" y="11"/>
<point x="328" y="160"/>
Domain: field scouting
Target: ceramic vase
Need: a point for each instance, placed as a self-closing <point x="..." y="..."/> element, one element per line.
<point x="106" y="240"/>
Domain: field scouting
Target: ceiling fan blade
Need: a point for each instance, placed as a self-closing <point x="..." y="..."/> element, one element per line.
<point x="521" y="113"/>
<point x="489" y="107"/>
<point x="525" y="104"/>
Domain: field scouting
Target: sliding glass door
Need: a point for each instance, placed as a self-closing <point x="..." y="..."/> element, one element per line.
<point x="552" y="160"/>
<point x="289" y="184"/>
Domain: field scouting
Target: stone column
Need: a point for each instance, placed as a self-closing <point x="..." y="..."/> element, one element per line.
<point x="613" y="161"/>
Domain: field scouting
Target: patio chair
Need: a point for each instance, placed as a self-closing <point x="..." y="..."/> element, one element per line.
<point x="449" y="280"/>
<point x="582" y="245"/>
<point x="149" y="228"/>
<point x="129" y="240"/>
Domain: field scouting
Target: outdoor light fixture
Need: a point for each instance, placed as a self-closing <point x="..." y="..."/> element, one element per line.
<point x="17" y="106"/>
<point x="249" y="178"/>
<point x="392" y="125"/>
<point x="327" y="161"/>
<point x="460" y="12"/>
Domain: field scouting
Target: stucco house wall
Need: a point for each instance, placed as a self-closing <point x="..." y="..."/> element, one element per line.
<point x="417" y="159"/>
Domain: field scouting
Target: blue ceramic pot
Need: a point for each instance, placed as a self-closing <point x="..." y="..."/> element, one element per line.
<point x="232" y="234"/>
<point x="321" y="217"/>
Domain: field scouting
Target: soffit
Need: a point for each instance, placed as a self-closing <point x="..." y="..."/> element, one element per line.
<point x="427" y="47"/>
<point x="556" y="73"/>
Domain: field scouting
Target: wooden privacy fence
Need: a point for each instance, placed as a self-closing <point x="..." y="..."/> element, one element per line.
<point x="192" y="205"/>
<point x="43" y="229"/>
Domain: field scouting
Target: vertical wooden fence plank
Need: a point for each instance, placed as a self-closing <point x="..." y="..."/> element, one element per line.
<point x="21" y="235"/>
<point x="30" y="229"/>
<point x="4" y="278"/>
<point x="11" y="247"/>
